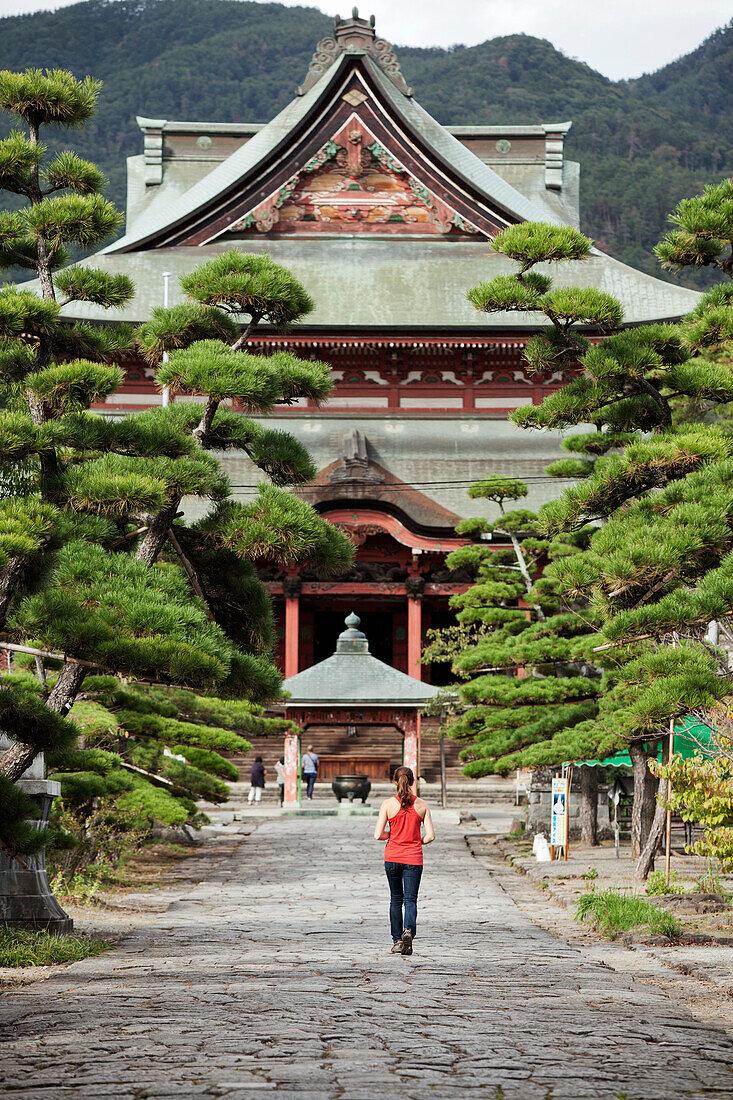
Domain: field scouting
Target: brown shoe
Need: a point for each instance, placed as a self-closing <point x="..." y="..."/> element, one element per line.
<point x="407" y="942"/>
<point x="397" y="947"/>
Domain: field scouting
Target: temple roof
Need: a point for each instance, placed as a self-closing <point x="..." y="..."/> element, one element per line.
<point x="367" y="283"/>
<point x="274" y="139"/>
<point x="356" y="478"/>
<point x="352" y="676"/>
<point x="381" y="212"/>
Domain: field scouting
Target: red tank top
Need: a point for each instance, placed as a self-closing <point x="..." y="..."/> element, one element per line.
<point x="404" y="844"/>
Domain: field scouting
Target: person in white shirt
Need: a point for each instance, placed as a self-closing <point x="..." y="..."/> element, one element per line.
<point x="280" y="773"/>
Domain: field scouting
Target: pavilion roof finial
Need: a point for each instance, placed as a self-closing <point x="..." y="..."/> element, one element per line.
<point x="352" y="640"/>
<point x="354" y="35"/>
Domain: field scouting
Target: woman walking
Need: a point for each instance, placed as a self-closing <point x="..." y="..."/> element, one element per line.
<point x="400" y="823"/>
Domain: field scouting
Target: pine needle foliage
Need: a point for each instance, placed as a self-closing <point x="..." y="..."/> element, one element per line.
<point x="149" y="755"/>
<point x="703" y="236"/>
<point x="90" y="564"/>
<point x="659" y="569"/>
<point x="251" y="286"/>
<point x="524" y="674"/>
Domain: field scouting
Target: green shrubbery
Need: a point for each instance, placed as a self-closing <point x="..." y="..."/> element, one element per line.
<point x="612" y="912"/>
<point x="21" y="948"/>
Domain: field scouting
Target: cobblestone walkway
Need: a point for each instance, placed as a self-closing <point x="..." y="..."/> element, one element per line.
<point x="275" y="976"/>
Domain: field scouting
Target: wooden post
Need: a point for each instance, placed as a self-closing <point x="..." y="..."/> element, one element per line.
<point x="668" y="823"/>
<point x="414" y="637"/>
<point x="291" y="756"/>
<point x="567" y="813"/>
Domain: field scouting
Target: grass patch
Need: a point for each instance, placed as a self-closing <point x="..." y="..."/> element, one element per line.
<point x="612" y="913"/>
<point x="19" y="947"/>
<point x="657" y="884"/>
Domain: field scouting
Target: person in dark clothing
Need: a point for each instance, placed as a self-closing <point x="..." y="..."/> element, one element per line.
<point x="257" y="781"/>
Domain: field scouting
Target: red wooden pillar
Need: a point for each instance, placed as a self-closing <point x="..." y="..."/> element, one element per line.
<point x="414" y="637"/>
<point x="414" y="585"/>
<point x="291" y="591"/>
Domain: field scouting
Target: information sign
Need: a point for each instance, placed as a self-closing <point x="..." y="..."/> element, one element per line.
<point x="558" y="831"/>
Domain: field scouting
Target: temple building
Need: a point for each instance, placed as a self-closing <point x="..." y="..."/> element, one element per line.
<point x="384" y="215"/>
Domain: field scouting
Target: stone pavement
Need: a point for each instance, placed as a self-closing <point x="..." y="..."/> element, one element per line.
<point x="274" y="975"/>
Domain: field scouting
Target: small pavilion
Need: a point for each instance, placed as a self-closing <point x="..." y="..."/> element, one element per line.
<point x="353" y="689"/>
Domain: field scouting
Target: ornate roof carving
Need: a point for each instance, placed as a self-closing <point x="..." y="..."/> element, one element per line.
<point x="355" y="464"/>
<point x="354" y="35"/>
<point x="353" y="184"/>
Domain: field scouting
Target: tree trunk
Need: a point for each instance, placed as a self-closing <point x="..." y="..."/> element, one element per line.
<point x="67" y="687"/>
<point x="20" y="756"/>
<point x="589" y="805"/>
<point x="9" y="581"/>
<point x="645" y="862"/>
<point x="645" y="793"/>
<point x="203" y="428"/>
<point x="156" y="535"/>
<point x="522" y="564"/>
<point x="40" y="669"/>
<point x="16" y="759"/>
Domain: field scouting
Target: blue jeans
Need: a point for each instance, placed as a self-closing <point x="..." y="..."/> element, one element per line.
<point x="310" y="779"/>
<point x="404" y="883"/>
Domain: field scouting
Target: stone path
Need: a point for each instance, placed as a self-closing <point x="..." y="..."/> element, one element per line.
<point x="274" y="975"/>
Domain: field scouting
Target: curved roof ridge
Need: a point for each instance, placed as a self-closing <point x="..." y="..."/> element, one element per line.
<point x="455" y="154"/>
<point x="449" y="150"/>
<point x="236" y="165"/>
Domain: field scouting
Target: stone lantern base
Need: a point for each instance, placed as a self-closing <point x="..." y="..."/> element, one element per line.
<point x="26" y="900"/>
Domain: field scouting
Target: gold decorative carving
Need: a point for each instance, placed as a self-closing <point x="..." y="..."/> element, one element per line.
<point x="354" y="97"/>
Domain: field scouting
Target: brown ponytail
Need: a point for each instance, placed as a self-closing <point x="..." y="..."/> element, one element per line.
<point x="404" y="779"/>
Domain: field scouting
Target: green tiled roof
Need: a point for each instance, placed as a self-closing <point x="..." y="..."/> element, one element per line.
<point x="399" y="282"/>
<point x="353" y="677"/>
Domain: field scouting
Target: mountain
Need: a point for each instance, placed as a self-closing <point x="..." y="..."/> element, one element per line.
<point x="700" y="81"/>
<point x="642" y="144"/>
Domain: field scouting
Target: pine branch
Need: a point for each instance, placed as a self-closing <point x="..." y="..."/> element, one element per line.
<point x="157" y="780"/>
<point x="130" y="535"/>
<point x="190" y="572"/>
<point x="11" y="647"/>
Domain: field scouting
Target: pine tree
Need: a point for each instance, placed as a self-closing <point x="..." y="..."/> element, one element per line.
<point x="149" y="754"/>
<point x="94" y="565"/>
<point x="657" y="571"/>
<point x="529" y="688"/>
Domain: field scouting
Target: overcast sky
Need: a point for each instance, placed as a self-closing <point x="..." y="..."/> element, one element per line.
<point x="621" y="38"/>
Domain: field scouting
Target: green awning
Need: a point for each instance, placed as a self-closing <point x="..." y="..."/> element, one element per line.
<point x="690" y="738"/>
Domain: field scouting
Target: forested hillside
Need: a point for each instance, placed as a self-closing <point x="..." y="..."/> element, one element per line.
<point x="642" y="144"/>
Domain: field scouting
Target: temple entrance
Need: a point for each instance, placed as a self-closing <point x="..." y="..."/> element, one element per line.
<point x="374" y="751"/>
<point x="379" y="627"/>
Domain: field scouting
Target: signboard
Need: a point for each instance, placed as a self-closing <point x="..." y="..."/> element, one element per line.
<point x="291" y="756"/>
<point x="558" y="830"/>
